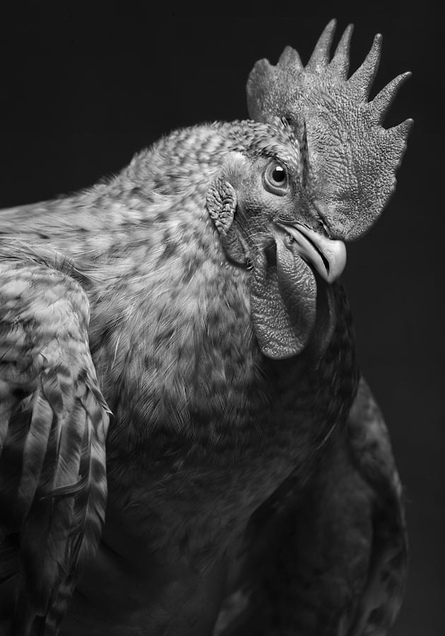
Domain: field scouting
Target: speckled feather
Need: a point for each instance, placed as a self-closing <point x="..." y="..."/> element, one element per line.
<point x="53" y="424"/>
<point x="216" y="452"/>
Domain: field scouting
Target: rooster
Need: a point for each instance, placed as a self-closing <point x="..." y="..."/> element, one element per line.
<point x="187" y="445"/>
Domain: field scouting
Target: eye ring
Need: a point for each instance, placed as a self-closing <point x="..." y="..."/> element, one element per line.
<point x="276" y="178"/>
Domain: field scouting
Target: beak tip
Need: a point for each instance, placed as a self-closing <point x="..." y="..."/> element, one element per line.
<point x="336" y="256"/>
<point x="327" y="256"/>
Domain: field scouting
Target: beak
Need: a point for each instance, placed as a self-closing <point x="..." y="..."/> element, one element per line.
<point x="326" y="255"/>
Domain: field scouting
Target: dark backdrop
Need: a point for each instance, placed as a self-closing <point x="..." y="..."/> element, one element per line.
<point x="80" y="94"/>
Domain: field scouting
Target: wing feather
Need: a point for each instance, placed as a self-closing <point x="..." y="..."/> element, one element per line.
<point x="332" y="559"/>
<point x="372" y="454"/>
<point x="53" y="426"/>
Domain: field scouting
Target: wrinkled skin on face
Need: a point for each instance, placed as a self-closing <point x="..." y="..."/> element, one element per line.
<point x="353" y="158"/>
<point x="265" y="222"/>
<point x="335" y="186"/>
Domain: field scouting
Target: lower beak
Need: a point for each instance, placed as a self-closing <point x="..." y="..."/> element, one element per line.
<point x="327" y="256"/>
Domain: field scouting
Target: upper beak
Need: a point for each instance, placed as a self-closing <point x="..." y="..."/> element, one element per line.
<point x="326" y="255"/>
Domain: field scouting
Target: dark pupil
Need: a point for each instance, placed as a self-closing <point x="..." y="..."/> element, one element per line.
<point x="279" y="174"/>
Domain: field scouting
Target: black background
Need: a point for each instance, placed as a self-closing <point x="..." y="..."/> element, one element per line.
<point x="81" y="93"/>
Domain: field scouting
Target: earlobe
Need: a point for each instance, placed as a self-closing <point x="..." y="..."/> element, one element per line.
<point x="221" y="204"/>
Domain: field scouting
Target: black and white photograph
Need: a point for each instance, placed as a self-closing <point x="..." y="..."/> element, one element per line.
<point x="222" y="386"/>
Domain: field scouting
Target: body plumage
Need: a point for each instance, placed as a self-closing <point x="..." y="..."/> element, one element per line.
<point x="224" y="351"/>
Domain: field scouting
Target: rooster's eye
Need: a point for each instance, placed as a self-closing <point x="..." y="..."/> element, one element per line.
<point x="276" y="179"/>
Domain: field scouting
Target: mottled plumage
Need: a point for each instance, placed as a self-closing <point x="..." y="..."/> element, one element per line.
<point x="251" y="489"/>
<point x="53" y="430"/>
